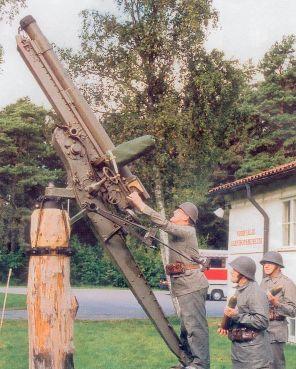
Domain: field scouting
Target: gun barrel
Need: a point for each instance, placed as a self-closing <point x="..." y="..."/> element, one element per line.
<point x="69" y="90"/>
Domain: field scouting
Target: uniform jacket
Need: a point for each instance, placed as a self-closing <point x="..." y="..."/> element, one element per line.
<point x="182" y="238"/>
<point x="278" y="330"/>
<point x="253" y="312"/>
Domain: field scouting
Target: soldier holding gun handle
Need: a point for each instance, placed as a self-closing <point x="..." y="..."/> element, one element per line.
<point x="189" y="285"/>
<point x="246" y="324"/>
<point x="281" y="293"/>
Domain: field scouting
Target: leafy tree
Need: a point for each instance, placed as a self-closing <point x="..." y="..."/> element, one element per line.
<point x="91" y="266"/>
<point x="132" y="61"/>
<point x="27" y="160"/>
<point x="266" y="137"/>
<point x="272" y="107"/>
<point x="10" y="8"/>
<point x="146" y="71"/>
<point x="27" y="164"/>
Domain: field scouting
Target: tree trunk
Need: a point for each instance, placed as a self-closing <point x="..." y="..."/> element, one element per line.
<point x="51" y="306"/>
<point x="163" y="235"/>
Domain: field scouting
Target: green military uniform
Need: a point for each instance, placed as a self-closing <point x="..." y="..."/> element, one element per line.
<point x="278" y="327"/>
<point x="190" y="289"/>
<point x="252" y="314"/>
<point x="250" y="346"/>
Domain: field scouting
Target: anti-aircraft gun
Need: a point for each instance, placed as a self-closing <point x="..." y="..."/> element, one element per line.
<point x="98" y="177"/>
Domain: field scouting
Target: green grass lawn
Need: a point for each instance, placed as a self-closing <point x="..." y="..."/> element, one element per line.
<point x="13" y="301"/>
<point x="128" y="344"/>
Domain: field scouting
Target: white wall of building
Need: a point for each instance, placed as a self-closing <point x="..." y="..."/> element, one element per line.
<point x="246" y="231"/>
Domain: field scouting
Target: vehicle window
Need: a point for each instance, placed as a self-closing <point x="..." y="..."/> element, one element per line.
<point x="218" y="263"/>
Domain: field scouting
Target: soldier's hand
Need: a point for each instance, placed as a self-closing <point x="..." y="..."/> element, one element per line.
<point x="230" y="312"/>
<point x="274" y="300"/>
<point x="136" y="200"/>
<point x="222" y="332"/>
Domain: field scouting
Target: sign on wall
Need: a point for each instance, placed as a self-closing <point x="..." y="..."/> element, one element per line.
<point x="245" y="231"/>
<point x="246" y="237"/>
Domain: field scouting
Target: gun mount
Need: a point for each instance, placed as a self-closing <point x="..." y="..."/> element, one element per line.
<point x="98" y="177"/>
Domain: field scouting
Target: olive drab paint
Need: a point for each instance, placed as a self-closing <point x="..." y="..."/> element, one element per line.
<point x="94" y="178"/>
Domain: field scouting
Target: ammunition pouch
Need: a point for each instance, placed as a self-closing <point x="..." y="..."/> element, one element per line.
<point x="274" y="315"/>
<point x="175" y="268"/>
<point x="242" y="334"/>
<point x="179" y="268"/>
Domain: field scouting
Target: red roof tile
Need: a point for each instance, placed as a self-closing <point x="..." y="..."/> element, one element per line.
<point x="281" y="169"/>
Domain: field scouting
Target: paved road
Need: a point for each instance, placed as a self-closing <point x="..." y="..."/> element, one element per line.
<point x="106" y="304"/>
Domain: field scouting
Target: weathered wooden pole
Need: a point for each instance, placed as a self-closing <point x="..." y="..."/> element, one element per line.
<point x="51" y="306"/>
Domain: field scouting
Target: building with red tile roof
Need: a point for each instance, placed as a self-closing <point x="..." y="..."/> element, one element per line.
<point x="262" y="217"/>
<point x="280" y="171"/>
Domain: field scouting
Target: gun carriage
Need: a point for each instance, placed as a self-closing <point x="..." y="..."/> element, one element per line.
<point x="97" y="172"/>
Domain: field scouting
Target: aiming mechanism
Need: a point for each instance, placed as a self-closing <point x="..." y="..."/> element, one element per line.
<point x="97" y="174"/>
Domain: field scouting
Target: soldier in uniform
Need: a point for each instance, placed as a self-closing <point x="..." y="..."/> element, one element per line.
<point x="281" y="306"/>
<point x="249" y="320"/>
<point x="188" y="283"/>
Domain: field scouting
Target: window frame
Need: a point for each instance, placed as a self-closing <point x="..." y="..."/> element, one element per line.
<point x="289" y="225"/>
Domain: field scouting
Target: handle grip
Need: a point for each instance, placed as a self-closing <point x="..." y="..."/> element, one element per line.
<point x="225" y="320"/>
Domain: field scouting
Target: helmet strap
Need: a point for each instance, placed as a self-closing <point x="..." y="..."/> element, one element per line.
<point x="276" y="270"/>
<point x="240" y="276"/>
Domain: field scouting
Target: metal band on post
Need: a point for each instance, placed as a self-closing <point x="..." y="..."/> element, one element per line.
<point x="49" y="292"/>
<point x="39" y="251"/>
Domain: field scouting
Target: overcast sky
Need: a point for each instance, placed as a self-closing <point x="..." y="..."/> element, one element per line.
<point x="247" y="29"/>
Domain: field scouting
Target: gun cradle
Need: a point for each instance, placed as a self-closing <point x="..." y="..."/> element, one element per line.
<point x="78" y="172"/>
<point x="82" y="144"/>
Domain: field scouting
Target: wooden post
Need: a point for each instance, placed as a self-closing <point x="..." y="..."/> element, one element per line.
<point x="51" y="306"/>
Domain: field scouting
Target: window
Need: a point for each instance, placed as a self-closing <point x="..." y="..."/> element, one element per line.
<point x="217" y="262"/>
<point x="289" y="222"/>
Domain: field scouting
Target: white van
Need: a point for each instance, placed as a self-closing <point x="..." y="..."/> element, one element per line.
<point x="217" y="274"/>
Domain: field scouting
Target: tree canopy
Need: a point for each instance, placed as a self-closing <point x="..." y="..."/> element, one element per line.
<point x="147" y="71"/>
<point x="10" y="8"/>
<point x="27" y="164"/>
<point x="266" y="136"/>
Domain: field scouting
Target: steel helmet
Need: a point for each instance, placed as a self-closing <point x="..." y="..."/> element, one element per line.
<point x="273" y="257"/>
<point x="190" y="210"/>
<point x="245" y="266"/>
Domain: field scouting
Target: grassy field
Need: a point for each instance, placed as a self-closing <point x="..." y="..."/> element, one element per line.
<point x="127" y="344"/>
<point x="13" y="301"/>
